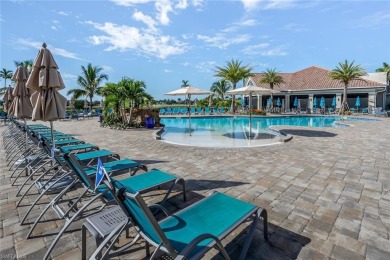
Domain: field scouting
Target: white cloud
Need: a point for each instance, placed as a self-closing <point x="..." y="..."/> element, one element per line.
<point x="375" y="20"/>
<point x="167" y="71"/>
<point x="53" y="28"/>
<point x="237" y="25"/>
<point x="54" y="50"/>
<point x="262" y="50"/>
<point x="107" y="68"/>
<point x="130" y="2"/>
<point x="163" y="8"/>
<point x="294" y="28"/>
<point x="205" y="66"/>
<point x="222" y="41"/>
<point x="252" y="5"/>
<point x="274" y="52"/>
<point x="124" y="38"/>
<point x="197" y="3"/>
<point x="182" y="4"/>
<point x="64" y="13"/>
<point x="255" y="49"/>
<point x="68" y="76"/>
<point x="139" y="16"/>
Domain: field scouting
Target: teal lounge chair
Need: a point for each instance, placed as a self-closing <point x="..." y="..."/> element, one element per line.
<point x="162" y="111"/>
<point x="189" y="233"/>
<point x="207" y="111"/>
<point x="141" y="183"/>
<point x="168" y="111"/>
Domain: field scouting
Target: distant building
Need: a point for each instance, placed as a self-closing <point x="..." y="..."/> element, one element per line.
<point x="315" y="82"/>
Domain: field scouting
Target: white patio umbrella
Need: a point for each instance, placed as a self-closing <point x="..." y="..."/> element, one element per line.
<point x="249" y="90"/>
<point x="45" y="79"/>
<point x="188" y="92"/>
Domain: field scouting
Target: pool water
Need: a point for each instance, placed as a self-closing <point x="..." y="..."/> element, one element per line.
<point x="233" y="131"/>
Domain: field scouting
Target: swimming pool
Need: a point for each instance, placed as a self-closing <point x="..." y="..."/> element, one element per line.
<point x="233" y="131"/>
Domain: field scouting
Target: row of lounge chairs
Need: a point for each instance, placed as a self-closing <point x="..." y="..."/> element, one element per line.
<point x="194" y="111"/>
<point x="108" y="209"/>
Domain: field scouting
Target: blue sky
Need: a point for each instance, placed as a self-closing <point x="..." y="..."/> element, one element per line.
<point x="163" y="42"/>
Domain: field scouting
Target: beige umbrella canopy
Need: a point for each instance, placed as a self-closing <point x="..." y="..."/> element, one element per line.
<point x="49" y="105"/>
<point x="188" y="91"/>
<point x="7" y="98"/>
<point x="21" y="106"/>
<point x="249" y="90"/>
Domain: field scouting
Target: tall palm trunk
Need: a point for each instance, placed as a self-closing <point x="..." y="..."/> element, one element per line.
<point x="345" y="105"/>
<point x="234" y="99"/>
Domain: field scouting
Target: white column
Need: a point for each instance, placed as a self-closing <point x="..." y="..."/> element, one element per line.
<point x="310" y="103"/>
<point x="371" y="101"/>
<point x="259" y="102"/>
<point x="338" y="100"/>
<point x="287" y="103"/>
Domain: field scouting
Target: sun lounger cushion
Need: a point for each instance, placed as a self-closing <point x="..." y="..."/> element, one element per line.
<point x="221" y="212"/>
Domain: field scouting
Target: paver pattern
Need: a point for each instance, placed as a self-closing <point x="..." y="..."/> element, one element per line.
<point x="326" y="191"/>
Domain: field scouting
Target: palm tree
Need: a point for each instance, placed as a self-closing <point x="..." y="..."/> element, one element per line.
<point x="220" y="88"/>
<point x="185" y="83"/>
<point x="347" y="72"/>
<point x="27" y="64"/>
<point x="385" y="68"/>
<point x="271" y="77"/>
<point x="89" y="81"/>
<point x="234" y="72"/>
<point x="113" y="95"/>
<point x="6" y="74"/>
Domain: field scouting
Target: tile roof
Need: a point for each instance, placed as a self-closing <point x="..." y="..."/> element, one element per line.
<point x="313" y="78"/>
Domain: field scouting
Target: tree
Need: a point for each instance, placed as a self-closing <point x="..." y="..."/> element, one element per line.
<point x="6" y="74"/>
<point x="345" y="73"/>
<point x="185" y="83"/>
<point x="271" y="77"/>
<point x="89" y="81"/>
<point x="220" y="88"/>
<point x="385" y="68"/>
<point x="233" y="72"/>
<point x="27" y="64"/>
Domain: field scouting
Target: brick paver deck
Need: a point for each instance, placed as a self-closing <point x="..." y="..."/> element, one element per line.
<point x="326" y="191"/>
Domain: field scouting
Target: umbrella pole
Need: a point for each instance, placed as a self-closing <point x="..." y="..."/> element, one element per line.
<point x="52" y="143"/>
<point x="25" y="145"/>
<point x="250" y="115"/>
<point x="189" y="112"/>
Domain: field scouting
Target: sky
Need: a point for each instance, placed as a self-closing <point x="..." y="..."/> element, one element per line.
<point x="163" y="42"/>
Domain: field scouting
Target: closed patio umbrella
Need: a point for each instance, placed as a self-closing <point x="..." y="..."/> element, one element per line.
<point x="334" y="102"/>
<point x="188" y="92"/>
<point x="278" y="102"/>
<point x="48" y="103"/>
<point x="21" y="106"/>
<point x="295" y="102"/>
<point x="357" y="102"/>
<point x="322" y="102"/>
<point x="7" y="98"/>
<point x="315" y="102"/>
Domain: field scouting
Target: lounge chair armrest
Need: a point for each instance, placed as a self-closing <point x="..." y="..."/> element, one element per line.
<point x="187" y="250"/>
<point x="158" y="207"/>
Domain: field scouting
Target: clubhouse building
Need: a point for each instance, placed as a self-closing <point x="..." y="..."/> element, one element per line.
<point x="315" y="82"/>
